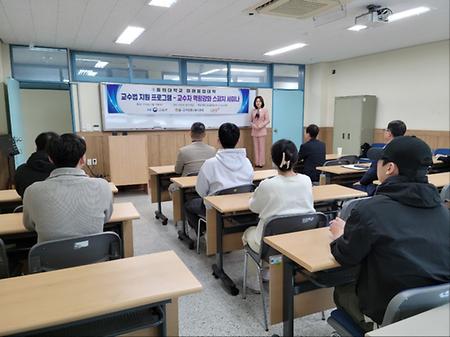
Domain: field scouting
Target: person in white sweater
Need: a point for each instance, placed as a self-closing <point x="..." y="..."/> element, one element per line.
<point x="287" y="193"/>
<point x="229" y="168"/>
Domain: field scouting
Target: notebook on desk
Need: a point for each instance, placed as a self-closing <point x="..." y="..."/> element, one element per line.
<point x="358" y="167"/>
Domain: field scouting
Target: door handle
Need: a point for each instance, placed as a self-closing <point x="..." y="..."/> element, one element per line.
<point x="348" y="136"/>
<point x="343" y="136"/>
<point x="275" y="130"/>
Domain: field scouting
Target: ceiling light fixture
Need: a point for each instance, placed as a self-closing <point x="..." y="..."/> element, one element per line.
<point x="243" y="70"/>
<point x="357" y="28"/>
<point x="101" y="64"/>
<point x="129" y="35"/>
<point x="162" y="3"/>
<point x="285" y="49"/>
<point x="408" y="13"/>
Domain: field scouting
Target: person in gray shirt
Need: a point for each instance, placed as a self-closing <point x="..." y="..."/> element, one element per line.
<point x="191" y="157"/>
<point x="68" y="203"/>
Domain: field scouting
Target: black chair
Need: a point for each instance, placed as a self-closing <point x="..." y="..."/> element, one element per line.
<point x="274" y="226"/>
<point x="4" y="265"/>
<point x="405" y="304"/>
<point x="336" y="162"/>
<point x="239" y="219"/>
<point x="72" y="252"/>
<point x="352" y="159"/>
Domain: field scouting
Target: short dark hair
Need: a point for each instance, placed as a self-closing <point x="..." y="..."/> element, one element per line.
<point x="261" y="99"/>
<point x="312" y="130"/>
<point x="229" y="134"/>
<point x="397" y="128"/>
<point x="66" y="150"/>
<point x="288" y="148"/>
<point x="43" y="139"/>
<point x="198" y="128"/>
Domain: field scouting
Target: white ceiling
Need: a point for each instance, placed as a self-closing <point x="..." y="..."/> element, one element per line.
<point x="213" y="29"/>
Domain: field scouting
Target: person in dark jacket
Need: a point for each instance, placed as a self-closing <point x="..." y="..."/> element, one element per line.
<point x="394" y="129"/>
<point x="399" y="237"/>
<point x="311" y="154"/>
<point x="37" y="167"/>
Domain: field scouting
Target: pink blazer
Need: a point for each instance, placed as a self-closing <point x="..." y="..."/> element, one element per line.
<point x="259" y="124"/>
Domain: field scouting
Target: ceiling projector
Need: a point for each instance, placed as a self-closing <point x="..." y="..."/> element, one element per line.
<point x="376" y="15"/>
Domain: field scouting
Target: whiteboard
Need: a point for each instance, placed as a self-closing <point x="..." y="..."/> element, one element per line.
<point x="131" y="107"/>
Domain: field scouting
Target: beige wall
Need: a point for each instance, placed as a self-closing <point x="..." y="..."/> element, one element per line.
<point x="5" y="64"/>
<point x="44" y="110"/>
<point x="411" y="84"/>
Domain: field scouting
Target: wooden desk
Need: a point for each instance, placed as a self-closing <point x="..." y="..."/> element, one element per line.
<point x="45" y="300"/>
<point x="219" y="242"/>
<point x="12" y="228"/>
<point x="437" y="179"/>
<point x="339" y="174"/>
<point x="188" y="183"/>
<point x="311" y="250"/>
<point x="9" y="198"/>
<point x="157" y="191"/>
<point x="434" y="322"/>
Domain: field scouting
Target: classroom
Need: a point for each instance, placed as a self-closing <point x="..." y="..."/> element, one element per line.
<point x="224" y="168"/>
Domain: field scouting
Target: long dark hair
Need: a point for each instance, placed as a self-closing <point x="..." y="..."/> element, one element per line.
<point x="284" y="154"/>
<point x="254" y="104"/>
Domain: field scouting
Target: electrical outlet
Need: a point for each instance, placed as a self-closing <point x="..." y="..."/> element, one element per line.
<point x="89" y="161"/>
<point x="94" y="161"/>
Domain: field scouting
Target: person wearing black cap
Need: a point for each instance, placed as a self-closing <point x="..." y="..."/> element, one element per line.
<point x="399" y="237"/>
<point x="394" y="129"/>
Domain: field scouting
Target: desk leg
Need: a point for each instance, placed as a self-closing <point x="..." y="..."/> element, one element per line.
<point x="218" y="271"/>
<point x="288" y="297"/>
<point x="158" y="213"/>
<point x="182" y="233"/>
<point x="127" y="230"/>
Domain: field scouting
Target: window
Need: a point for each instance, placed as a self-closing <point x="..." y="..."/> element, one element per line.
<point x="36" y="64"/>
<point x="242" y="74"/>
<point x="155" y="70"/>
<point x="207" y="73"/>
<point x="100" y="67"/>
<point x="286" y="76"/>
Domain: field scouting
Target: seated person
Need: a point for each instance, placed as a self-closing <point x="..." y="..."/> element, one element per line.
<point x="311" y="154"/>
<point x="191" y="157"/>
<point x="229" y="168"/>
<point x="399" y="237"/>
<point x="68" y="203"/>
<point x="394" y="129"/>
<point x="37" y="167"/>
<point x="287" y="193"/>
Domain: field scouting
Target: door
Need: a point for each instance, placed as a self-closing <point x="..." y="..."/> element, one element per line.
<point x="16" y="119"/>
<point x="287" y="115"/>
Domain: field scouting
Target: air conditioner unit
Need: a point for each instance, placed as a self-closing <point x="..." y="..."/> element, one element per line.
<point x="299" y="9"/>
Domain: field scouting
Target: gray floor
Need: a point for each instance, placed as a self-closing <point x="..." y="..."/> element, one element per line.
<point x="212" y="312"/>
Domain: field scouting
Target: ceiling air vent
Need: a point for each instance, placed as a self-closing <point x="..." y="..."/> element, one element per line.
<point x="300" y="9"/>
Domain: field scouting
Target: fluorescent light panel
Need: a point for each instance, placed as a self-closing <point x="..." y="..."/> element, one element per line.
<point x="130" y="34"/>
<point x="285" y="49"/>
<point x="212" y="71"/>
<point x="101" y="64"/>
<point x="357" y="28"/>
<point x="162" y="3"/>
<point x="243" y="70"/>
<point x="408" y="13"/>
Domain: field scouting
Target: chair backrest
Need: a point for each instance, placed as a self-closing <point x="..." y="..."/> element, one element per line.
<point x="378" y="145"/>
<point x="349" y="205"/>
<point x="415" y="301"/>
<point x="352" y="159"/>
<point x="4" y="266"/>
<point x="237" y="189"/>
<point x="18" y="209"/>
<point x="72" y="252"/>
<point x="443" y="151"/>
<point x="192" y="174"/>
<point x="445" y="193"/>
<point x="283" y="224"/>
<point x="335" y="162"/>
